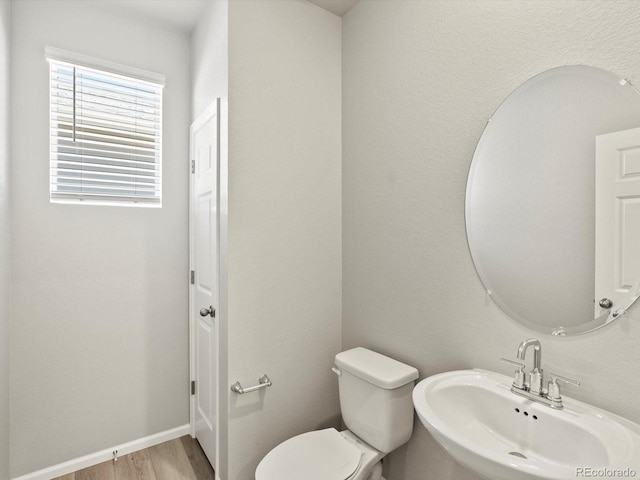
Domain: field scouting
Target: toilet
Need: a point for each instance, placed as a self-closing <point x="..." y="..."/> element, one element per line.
<point x="375" y="400"/>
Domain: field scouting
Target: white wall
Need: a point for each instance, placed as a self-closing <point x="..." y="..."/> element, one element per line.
<point x="5" y="238"/>
<point x="284" y="262"/>
<point x="210" y="57"/>
<point x="420" y="80"/>
<point x="99" y="298"/>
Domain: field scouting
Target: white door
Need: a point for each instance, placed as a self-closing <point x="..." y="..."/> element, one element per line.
<point x="617" y="219"/>
<point x="204" y="225"/>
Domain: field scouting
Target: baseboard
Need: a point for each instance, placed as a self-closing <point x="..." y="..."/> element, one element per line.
<point x="105" y="455"/>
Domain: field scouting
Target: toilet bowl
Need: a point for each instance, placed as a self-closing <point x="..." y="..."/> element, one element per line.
<point x="375" y="400"/>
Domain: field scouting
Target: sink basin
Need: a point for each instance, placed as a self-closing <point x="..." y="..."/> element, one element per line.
<point x="502" y="436"/>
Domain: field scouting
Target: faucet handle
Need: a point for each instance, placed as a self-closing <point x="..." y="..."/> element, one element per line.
<point x="554" y="389"/>
<point x="518" y="379"/>
<point x="555" y="377"/>
<point x="512" y="362"/>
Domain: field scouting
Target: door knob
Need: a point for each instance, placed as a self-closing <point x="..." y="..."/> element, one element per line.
<point x="605" y="303"/>
<point x="208" y="311"/>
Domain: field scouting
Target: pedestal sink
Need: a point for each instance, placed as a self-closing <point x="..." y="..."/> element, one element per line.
<point x="501" y="436"/>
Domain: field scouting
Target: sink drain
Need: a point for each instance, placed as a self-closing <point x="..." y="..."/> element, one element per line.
<point x="517" y="454"/>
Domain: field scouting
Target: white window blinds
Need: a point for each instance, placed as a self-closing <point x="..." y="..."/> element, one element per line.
<point x="106" y="131"/>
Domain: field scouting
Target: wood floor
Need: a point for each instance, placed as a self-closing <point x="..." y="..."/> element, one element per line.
<point x="179" y="459"/>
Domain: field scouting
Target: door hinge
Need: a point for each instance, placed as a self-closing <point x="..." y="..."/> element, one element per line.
<point x="193" y="387"/>
<point x="193" y="277"/>
<point x="193" y="166"/>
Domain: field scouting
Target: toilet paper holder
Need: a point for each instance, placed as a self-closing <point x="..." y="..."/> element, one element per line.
<point x="264" y="382"/>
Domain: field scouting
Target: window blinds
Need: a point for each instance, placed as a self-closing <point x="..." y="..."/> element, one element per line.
<point x="105" y="137"/>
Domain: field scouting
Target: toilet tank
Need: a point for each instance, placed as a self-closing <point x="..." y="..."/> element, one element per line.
<point x="375" y="397"/>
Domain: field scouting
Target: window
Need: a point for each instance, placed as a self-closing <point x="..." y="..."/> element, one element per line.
<point x="106" y="130"/>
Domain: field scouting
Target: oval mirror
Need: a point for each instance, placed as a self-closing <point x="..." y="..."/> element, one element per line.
<point x="553" y="201"/>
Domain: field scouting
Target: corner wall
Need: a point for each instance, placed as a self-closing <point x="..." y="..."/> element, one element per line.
<point x="99" y="294"/>
<point x="284" y="258"/>
<point x="210" y="80"/>
<point x="420" y="80"/>
<point x="5" y="235"/>
<point x="210" y="57"/>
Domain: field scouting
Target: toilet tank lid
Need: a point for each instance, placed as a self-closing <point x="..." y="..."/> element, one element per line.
<point x="376" y="368"/>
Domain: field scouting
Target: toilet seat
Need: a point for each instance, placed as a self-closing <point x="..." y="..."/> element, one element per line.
<point x="318" y="455"/>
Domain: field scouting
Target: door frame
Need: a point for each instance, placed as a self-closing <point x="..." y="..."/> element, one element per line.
<point x="212" y="110"/>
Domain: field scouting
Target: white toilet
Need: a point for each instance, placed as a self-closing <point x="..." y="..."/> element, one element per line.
<point x="375" y="399"/>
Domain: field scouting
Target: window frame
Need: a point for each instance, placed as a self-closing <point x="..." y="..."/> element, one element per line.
<point x="108" y="69"/>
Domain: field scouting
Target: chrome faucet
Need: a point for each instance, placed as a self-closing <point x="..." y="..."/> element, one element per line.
<point x="535" y="377"/>
<point x="537" y="351"/>
<point x="532" y="389"/>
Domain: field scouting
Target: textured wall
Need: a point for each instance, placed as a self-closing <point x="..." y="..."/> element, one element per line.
<point x="284" y="223"/>
<point x="99" y="297"/>
<point x="5" y="238"/>
<point x="420" y="79"/>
